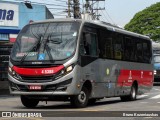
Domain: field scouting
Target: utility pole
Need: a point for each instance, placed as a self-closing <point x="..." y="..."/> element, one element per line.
<point x="69" y="8"/>
<point x="87" y="14"/>
<point x="98" y="15"/>
<point x="76" y="11"/>
<point x="87" y="5"/>
<point x="93" y="11"/>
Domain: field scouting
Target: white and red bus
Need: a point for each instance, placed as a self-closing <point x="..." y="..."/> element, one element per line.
<point x="79" y="61"/>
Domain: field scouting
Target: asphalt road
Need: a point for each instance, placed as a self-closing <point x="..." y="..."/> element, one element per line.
<point x="110" y="108"/>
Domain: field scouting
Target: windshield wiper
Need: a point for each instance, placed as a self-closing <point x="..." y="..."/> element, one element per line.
<point x="48" y="50"/>
<point x="38" y="45"/>
<point x="49" y="53"/>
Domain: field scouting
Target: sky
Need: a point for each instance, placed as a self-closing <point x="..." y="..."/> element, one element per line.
<point x="118" y="12"/>
<point x="122" y="11"/>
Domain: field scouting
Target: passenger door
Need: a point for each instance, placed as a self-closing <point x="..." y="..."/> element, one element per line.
<point x="89" y="53"/>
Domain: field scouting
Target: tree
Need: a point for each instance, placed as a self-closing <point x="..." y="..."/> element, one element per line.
<point x="146" y="22"/>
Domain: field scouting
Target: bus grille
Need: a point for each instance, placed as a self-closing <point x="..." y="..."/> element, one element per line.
<point x="32" y="79"/>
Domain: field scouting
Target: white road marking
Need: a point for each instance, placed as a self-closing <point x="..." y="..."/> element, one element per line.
<point x="158" y="102"/>
<point x="155" y="97"/>
<point x="141" y="96"/>
<point x="156" y="89"/>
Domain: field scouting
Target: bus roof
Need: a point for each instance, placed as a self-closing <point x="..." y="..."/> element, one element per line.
<point x="96" y="22"/>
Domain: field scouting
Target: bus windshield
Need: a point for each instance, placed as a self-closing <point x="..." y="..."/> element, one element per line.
<point x="46" y="41"/>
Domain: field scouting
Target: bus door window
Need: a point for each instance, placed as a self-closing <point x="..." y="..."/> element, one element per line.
<point x="90" y="44"/>
<point x="87" y="43"/>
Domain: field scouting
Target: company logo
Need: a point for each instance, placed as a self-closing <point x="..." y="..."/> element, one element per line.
<point x="6" y="15"/>
<point x="21" y="114"/>
<point x="6" y="114"/>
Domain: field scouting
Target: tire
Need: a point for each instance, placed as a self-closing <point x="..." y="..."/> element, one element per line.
<point x="29" y="103"/>
<point x="132" y="96"/>
<point x="80" y="100"/>
<point x="133" y="93"/>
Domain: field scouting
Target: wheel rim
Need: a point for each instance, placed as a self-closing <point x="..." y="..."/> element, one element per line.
<point x="82" y="97"/>
<point x="133" y="93"/>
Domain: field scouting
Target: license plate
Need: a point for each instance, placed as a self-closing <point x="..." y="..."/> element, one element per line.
<point x="35" y="87"/>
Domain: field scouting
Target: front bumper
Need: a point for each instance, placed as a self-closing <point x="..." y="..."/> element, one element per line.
<point x="51" y="89"/>
<point x="66" y="85"/>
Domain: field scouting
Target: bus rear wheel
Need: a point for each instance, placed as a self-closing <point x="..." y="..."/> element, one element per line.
<point x="133" y="93"/>
<point x="28" y="102"/>
<point x="80" y="100"/>
<point x="132" y="96"/>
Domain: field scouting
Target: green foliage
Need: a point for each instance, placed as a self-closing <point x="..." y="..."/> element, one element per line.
<point x="146" y="22"/>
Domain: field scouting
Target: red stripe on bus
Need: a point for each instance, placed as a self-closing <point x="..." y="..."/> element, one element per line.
<point x="127" y="77"/>
<point x="37" y="71"/>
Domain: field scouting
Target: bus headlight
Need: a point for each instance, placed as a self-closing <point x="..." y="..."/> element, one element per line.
<point x="155" y="72"/>
<point x="9" y="69"/>
<point x="65" y="71"/>
<point x="12" y="73"/>
<point x="69" y="69"/>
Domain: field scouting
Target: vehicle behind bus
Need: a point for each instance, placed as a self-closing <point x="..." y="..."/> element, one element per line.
<point x="156" y="62"/>
<point x="79" y="61"/>
<point x="5" y="49"/>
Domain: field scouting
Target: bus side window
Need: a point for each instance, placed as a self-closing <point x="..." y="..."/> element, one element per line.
<point x="129" y="49"/>
<point x="139" y="52"/>
<point x="105" y="44"/>
<point x="146" y="52"/>
<point x="118" y="46"/>
<point x="108" y="53"/>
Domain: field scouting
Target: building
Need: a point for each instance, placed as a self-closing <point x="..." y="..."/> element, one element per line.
<point x="13" y="17"/>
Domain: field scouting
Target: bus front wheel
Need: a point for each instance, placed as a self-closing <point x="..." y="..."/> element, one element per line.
<point x="80" y="100"/>
<point x="28" y="102"/>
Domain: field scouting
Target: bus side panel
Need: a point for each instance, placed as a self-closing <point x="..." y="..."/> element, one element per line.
<point x="143" y="77"/>
<point x="115" y="78"/>
<point x="90" y="70"/>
